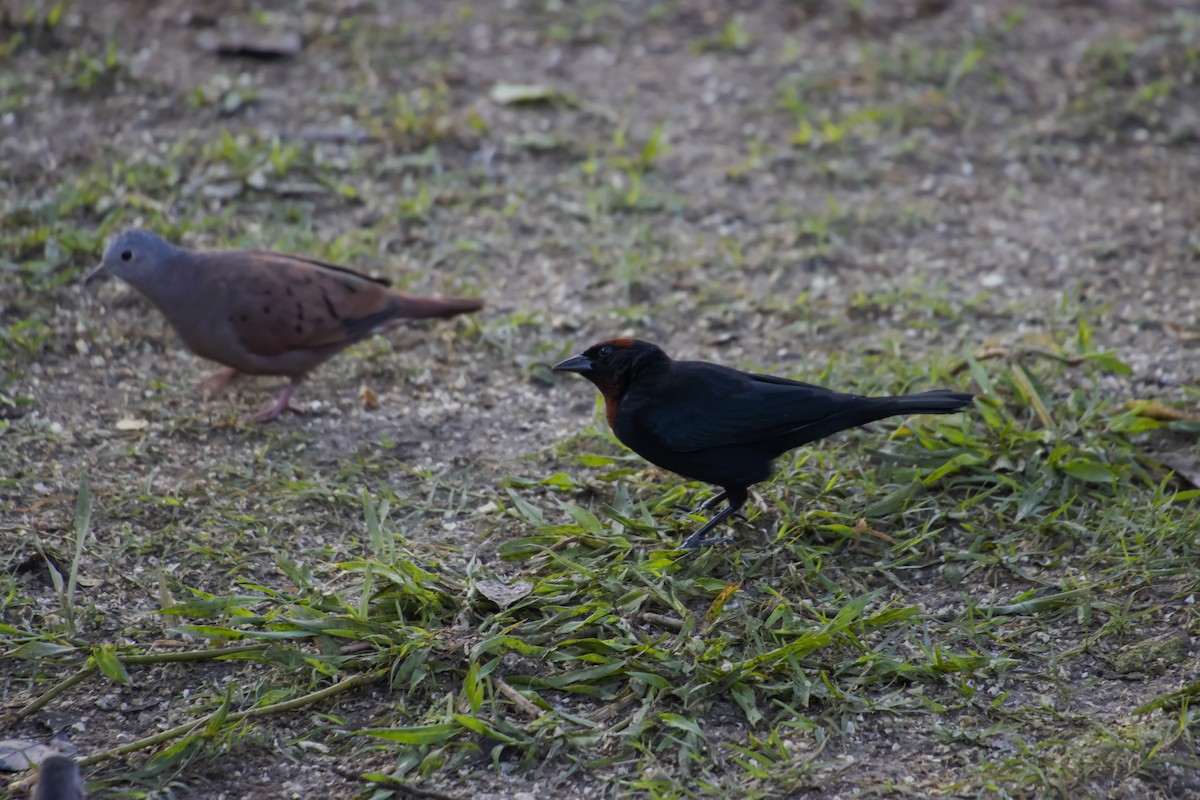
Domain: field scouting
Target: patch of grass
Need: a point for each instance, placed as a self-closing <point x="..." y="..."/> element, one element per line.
<point x="84" y="72"/>
<point x="225" y="94"/>
<point x="733" y="38"/>
<point x="419" y="117"/>
<point x="624" y="655"/>
<point x="620" y="173"/>
<point x="1139" y="81"/>
<point x="34" y="25"/>
<point x="908" y="85"/>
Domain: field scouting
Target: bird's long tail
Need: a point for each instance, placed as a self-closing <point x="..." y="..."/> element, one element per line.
<point x="413" y="307"/>
<point x="938" y="401"/>
<point x="871" y="409"/>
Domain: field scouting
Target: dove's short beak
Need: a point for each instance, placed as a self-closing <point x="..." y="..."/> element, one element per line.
<point x="96" y="273"/>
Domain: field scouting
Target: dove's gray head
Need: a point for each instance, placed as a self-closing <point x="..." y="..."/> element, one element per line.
<point x="135" y="256"/>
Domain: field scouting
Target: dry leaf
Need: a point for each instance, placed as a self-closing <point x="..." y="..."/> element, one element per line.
<point x="714" y="608"/>
<point x="337" y="134"/>
<point x="1153" y="409"/>
<point x="369" y="397"/>
<point x="504" y="594"/>
<point x="1185" y="465"/>
<point x="861" y="528"/>
<point x="992" y="352"/>
<point x="507" y="94"/>
<point x="129" y="424"/>
<point x="17" y="755"/>
<point x="250" y="43"/>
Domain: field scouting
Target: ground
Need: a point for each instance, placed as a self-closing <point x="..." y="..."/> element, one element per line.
<point x="472" y="590"/>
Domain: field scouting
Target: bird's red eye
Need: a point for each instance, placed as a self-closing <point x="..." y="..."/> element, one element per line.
<point x="126" y="255"/>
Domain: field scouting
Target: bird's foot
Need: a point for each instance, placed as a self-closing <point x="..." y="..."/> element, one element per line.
<point x="278" y="407"/>
<point x="217" y="383"/>
<point x="701" y="539"/>
<point x="697" y="541"/>
<point x="710" y="502"/>
<point x="268" y="414"/>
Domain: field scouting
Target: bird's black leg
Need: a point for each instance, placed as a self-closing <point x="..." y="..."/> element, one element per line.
<point x="711" y="502"/>
<point x="737" y="496"/>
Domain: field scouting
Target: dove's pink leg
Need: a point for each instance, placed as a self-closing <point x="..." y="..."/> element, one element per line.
<point x="279" y="406"/>
<point x="218" y="382"/>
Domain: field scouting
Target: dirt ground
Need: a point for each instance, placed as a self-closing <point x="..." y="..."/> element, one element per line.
<point x="845" y="183"/>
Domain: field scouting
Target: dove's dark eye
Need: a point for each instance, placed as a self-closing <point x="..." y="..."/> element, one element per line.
<point x="606" y="351"/>
<point x="126" y="255"/>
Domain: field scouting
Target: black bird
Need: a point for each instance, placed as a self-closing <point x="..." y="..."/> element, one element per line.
<point x="721" y="425"/>
<point x="58" y="779"/>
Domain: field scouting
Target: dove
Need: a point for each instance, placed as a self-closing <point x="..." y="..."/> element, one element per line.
<point x="58" y="778"/>
<point x="262" y="313"/>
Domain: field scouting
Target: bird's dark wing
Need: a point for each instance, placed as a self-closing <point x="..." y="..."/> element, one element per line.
<point x="703" y="406"/>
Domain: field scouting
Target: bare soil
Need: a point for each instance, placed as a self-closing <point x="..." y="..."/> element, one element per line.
<point x="1031" y="189"/>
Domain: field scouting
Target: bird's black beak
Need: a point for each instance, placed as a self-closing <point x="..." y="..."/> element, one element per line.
<point x="96" y="273"/>
<point x="574" y="364"/>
